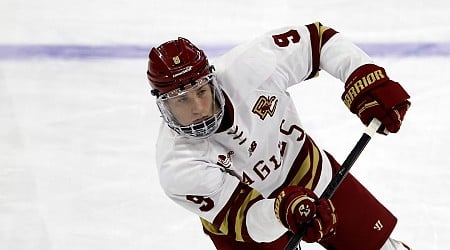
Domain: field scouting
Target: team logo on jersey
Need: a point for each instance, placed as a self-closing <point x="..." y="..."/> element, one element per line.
<point x="225" y="160"/>
<point x="266" y="105"/>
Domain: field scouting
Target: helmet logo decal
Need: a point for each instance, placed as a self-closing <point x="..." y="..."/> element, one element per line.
<point x="265" y="106"/>
<point x="176" y="60"/>
<point x="187" y="69"/>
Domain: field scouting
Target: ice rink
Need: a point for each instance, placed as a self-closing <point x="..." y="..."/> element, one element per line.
<point x="78" y="124"/>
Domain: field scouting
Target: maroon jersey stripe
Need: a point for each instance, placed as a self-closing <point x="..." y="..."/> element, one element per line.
<point x="327" y="34"/>
<point x="315" y="48"/>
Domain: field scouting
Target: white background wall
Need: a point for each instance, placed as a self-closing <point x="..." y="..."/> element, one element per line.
<point x="77" y="135"/>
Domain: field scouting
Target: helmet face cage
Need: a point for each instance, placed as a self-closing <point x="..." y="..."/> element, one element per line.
<point x="201" y="129"/>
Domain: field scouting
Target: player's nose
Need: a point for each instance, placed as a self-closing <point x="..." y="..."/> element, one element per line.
<point x="197" y="106"/>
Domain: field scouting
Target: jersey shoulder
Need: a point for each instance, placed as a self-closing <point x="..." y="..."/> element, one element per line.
<point x="284" y="51"/>
<point x="182" y="166"/>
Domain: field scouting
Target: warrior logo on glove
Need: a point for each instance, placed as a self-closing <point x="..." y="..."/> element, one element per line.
<point x="358" y="86"/>
<point x="369" y="93"/>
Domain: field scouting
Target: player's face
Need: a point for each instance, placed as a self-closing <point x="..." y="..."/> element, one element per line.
<point x="193" y="106"/>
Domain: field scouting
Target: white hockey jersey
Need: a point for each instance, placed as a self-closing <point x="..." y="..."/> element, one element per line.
<point x="230" y="178"/>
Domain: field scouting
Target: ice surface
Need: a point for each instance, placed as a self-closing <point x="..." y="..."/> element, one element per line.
<point x="77" y="133"/>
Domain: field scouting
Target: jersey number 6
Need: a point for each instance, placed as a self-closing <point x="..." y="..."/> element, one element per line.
<point x="283" y="40"/>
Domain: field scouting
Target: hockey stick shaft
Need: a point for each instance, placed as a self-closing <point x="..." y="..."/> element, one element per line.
<point x="294" y="242"/>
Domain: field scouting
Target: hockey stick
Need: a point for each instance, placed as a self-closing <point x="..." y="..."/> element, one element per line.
<point x="294" y="242"/>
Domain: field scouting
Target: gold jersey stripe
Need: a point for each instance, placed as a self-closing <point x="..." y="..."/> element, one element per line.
<point x="315" y="163"/>
<point x="240" y="217"/>
<point x="235" y="216"/>
<point x="303" y="170"/>
<point x="308" y="171"/>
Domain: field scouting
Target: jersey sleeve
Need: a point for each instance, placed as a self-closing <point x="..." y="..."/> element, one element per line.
<point x="340" y="57"/>
<point x="322" y="48"/>
<point x="326" y="49"/>
<point x="294" y="54"/>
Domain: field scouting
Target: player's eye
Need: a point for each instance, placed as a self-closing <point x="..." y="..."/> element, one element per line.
<point x="182" y="99"/>
<point x="201" y="92"/>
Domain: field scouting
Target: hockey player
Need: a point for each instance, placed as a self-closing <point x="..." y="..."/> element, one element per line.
<point x="233" y="151"/>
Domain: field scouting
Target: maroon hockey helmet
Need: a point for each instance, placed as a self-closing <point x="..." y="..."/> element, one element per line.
<point x="174" y="64"/>
<point x="175" y="69"/>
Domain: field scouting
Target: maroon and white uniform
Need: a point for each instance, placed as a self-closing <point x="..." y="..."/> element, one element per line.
<point x="230" y="178"/>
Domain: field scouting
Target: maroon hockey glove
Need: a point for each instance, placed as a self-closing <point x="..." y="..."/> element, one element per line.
<point x="370" y="93"/>
<point x="297" y="205"/>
